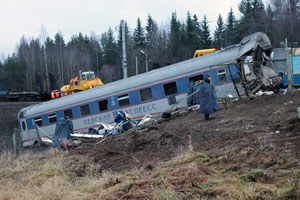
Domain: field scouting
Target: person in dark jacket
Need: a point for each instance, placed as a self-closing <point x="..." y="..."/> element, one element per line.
<point x="208" y="101"/>
<point x="62" y="132"/>
<point x="197" y="92"/>
<point x="70" y="125"/>
<point x="190" y="91"/>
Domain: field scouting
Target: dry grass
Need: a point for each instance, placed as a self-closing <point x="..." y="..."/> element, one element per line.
<point x="191" y="175"/>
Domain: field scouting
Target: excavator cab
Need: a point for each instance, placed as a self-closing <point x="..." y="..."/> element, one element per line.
<point x="88" y="75"/>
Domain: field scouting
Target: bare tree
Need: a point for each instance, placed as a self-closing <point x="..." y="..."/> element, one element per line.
<point x="43" y="36"/>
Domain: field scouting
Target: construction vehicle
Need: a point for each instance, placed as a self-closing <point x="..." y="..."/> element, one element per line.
<point x="203" y="52"/>
<point x="85" y="81"/>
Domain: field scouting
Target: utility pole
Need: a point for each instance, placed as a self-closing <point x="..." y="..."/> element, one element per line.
<point x="124" y="60"/>
<point x="136" y="66"/>
<point x="146" y="59"/>
<point x="289" y="71"/>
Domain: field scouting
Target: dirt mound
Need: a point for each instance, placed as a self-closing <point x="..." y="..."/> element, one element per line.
<point x="254" y="133"/>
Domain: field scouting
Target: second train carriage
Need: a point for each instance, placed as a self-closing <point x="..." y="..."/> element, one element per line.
<point x="143" y="94"/>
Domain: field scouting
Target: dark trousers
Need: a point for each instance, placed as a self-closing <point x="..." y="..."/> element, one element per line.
<point x="206" y="116"/>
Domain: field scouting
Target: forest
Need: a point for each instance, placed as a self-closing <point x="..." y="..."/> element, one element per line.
<point x="44" y="63"/>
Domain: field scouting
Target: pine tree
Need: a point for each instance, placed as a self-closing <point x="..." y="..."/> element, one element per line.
<point x="139" y="35"/>
<point x="253" y="17"/>
<point x="219" y="35"/>
<point x="192" y="35"/>
<point x="109" y="47"/>
<point x="206" y="38"/>
<point x="230" y="29"/>
<point x="176" y="39"/>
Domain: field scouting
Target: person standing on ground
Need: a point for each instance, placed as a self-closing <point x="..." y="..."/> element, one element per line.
<point x="190" y="91"/>
<point x="208" y="101"/>
<point x="70" y="126"/>
<point x="62" y="132"/>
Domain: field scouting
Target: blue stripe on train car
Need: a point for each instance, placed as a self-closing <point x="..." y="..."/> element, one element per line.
<point x="134" y="97"/>
<point x="157" y="91"/>
<point x="76" y="112"/>
<point x="94" y="108"/>
<point x="182" y="85"/>
<point x="296" y="70"/>
<point x="296" y="79"/>
<point x="29" y="123"/>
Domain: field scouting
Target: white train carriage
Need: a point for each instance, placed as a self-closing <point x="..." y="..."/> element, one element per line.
<point x="142" y="94"/>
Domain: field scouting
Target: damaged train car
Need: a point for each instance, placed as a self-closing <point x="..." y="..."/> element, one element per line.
<point x="237" y="70"/>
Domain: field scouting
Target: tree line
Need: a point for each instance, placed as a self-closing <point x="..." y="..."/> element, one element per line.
<point x="45" y="63"/>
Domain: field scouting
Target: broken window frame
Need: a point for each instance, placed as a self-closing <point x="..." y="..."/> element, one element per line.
<point x="124" y="100"/>
<point x="52" y="118"/>
<point x="196" y="78"/>
<point x="170" y="88"/>
<point x="85" y="110"/>
<point x="23" y="125"/>
<point x="146" y="94"/>
<point x="68" y="113"/>
<point x="222" y="75"/>
<point x="105" y="101"/>
<point x="38" y="121"/>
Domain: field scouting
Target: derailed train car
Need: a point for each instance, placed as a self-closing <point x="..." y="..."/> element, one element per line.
<point x="148" y="93"/>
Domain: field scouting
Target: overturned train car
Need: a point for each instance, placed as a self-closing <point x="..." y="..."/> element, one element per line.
<point x="148" y="93"/>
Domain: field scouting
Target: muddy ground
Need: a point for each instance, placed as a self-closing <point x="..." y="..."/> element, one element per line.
<point x="255" y="133"/>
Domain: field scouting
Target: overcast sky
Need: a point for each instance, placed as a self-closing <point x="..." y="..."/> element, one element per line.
<point x="25" y="17"/>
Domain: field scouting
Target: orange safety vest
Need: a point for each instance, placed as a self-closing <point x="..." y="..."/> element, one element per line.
<point x="57" y="94"/>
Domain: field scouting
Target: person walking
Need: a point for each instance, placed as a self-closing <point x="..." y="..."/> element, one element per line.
<point x="208" y="101"/>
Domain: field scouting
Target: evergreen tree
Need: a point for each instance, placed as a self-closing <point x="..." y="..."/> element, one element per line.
<point x="176" y="42"/>
<point x="151" y="32"/>
<point x="206" y="38"/>
<point x="192" y="35"/>
<point x="109" y="48"/>
<point x="152" y="42"/>
<point x="15" y="69"/>
<point x="230" y="29"/>
<point x="253" y="17"/>
<point x="219" y="35"/>
<point x="139" y="35"/>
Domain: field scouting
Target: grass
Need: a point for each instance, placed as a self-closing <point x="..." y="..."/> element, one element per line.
<point x="191" y="175"/>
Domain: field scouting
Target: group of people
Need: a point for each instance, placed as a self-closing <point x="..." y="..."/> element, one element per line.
<point x="64" y="128"/>
<point x="202" y="93"/>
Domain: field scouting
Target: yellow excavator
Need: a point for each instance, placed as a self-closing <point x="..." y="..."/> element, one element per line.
<point x="85" y="81"/>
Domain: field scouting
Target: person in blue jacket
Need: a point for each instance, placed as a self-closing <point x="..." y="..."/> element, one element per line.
<point x="62" y="133"/>
<point x="208" y="101"/>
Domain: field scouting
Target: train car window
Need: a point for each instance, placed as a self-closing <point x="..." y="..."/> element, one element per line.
<point x="196" y="78"/>
<point x="222" y="75"/>
<point x="170" y="88"/>
<point x="146" y="94"/>
<point x="38" y="121"/>
<point x="124" y="100"/>
<point x="85" y="110"/>
<point x="52" y="118"/>
<point x="23" y="126"/>
<point x="103" y="105"/>
<point x="68" y="113"/>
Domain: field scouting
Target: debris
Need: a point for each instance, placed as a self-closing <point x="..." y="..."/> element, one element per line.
<point x="230" y="96"/>
<point x="165" y="115"/>
<point x="298" y="110"/>
<point x="260" y="93"/>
